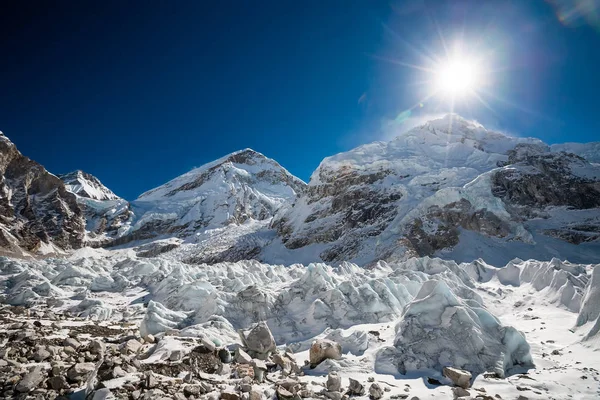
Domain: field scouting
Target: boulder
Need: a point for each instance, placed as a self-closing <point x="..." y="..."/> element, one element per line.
<point x="79" y="372"/>
<point x="242" y="357"/>
<point x="97" y="347"/>
<point x="41" y="354"/>
<point x="58" y="383"/>
<point x="259" y="340"/>
<point x="460" y="392"/>
<point x="229" y="395"/>
<point x="260" y="369"/>
<point x="322" y="349"/>
<point x="334" y="382"/>
<point x="31" y="380"/>
<point x="72" y="343"/>
<point x="132" y="346"/>
<point x="375" y="391"/>
<point x="356" y="388"/>
<point x="459" y="377"/>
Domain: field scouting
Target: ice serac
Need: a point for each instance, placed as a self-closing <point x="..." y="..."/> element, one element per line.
<point x="37" y="212"/>
<point x="421" y="193"/>
<point x="438" y="329"/>
<point x="107" y="216"/>
<point x="241" y="188"/>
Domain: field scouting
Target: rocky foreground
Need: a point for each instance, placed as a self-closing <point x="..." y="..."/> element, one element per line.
<point x="54" y="355"/>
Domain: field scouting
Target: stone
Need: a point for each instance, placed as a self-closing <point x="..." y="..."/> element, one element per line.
<point x="209" y="344"/>
<point x="260" y="369"/>
<point x="41" y="354"/>
<point x="375" y="391"/>
<point x="58" y="383"/>
<point x="459" y="377"/>
<point x="259" y="340"/>
<point x="193" y="390"/>
<point x="79" y="372"/>
<point x="149" y="339"/>
<point x="242" y="357"/>
<point x="333" y="395"/>
<point x="118" y="372"/>
<point x="97" y="347"/>
<point x="229" y="395"/>
<point x="72" y="343"/>
<point x="334" y="382"/>
<point x="460" y="392"/>
<point x="150" y="381"/>
<point x="284" y="394"/>
<point x="175" y="355"/>
<point x="256" y="395"/>
<point x="356" y="388"/>
<point x="31" y="380"/>
<point x="322" y="349"/>
<point x="132" y="346"/>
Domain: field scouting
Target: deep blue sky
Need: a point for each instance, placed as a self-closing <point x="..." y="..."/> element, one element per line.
<point x="139" y="92"/>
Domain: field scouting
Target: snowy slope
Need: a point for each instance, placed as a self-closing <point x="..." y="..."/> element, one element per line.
<point x="86" y="185"/>
<point x="239" y="188"/>
<point x="419" y="193"/>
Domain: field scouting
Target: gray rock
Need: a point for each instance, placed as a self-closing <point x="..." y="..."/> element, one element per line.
<point x="229" y="395"/>
<point x="259" y="340"/>
<point x="79" y="371"/>
<point x="459" y="377"/>
<point x="58" y="383"/>
<point x="175" y="355"/>
<point x="97" y="347"/>
<point x="41" y="354"/>
<point x="242" y="357"/>
<point x="284" y="394"/>
<point x="256" y="395"/>
<point x="375" y="391"/>
<point x="322" y="349"/>
<point x="31" y="380"/>
<point x="260" y="369"/>
<point x="356" y="388"/>
<point x="72" y="343"/>
<point x="132" y="346"/>
<point x="460" y="392"/>
<point x="334" y="382"/>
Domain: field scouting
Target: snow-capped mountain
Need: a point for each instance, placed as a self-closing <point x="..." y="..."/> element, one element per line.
<point x="37" y="213"/>
<point x="107" y="215"/>
<point x="450" y="188"/>
<point x="86" y="185"/>
<point x="420" y="193"/>
<point x="240" y="188"/>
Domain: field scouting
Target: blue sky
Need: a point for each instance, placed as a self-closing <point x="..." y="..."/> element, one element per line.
<point x="137" y="94"/>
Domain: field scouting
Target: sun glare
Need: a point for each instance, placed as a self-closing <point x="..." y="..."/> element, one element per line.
<point x="457" y="78"/>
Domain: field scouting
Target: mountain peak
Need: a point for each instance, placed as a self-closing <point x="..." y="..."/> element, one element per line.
<point x="87" y="185"/>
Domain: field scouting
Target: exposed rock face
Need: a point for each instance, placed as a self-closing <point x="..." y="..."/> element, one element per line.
<point x="37" y="212"/>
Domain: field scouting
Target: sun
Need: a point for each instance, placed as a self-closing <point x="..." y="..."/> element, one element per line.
<point x="457" y="77"/>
